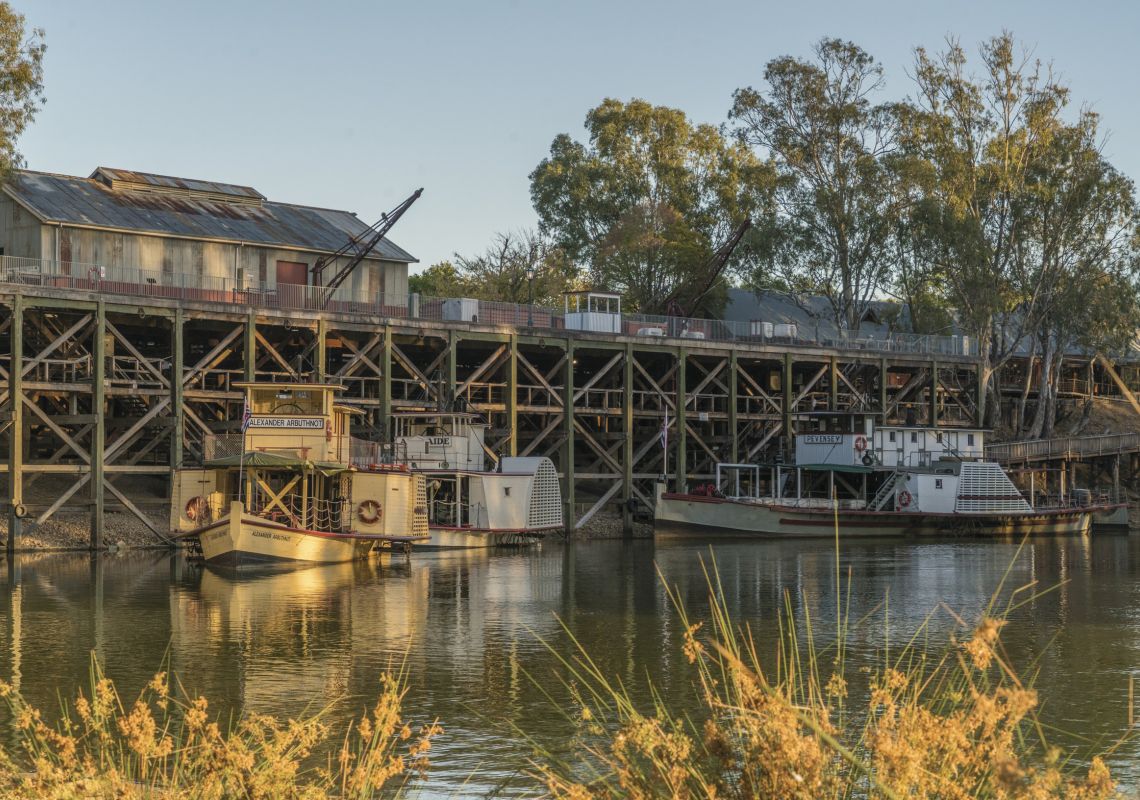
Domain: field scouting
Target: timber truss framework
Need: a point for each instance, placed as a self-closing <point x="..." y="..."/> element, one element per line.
<point x="100" y="399"/>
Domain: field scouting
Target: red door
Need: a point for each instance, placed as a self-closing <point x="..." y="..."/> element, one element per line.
<point x="292" y="277"/>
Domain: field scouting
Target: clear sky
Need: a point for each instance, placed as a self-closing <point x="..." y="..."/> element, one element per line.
<point x="356" y="104"/>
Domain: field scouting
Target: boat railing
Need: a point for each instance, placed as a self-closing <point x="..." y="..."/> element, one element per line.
<point x="451" y="514"/>
<point x="364" y="453"/>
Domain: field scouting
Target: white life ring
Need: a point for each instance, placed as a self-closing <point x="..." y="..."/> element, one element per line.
<point x="369" y="512"/>
<point x="198" y="509"/>
<point x="860" y="444"/>
<point x="904" y="498"/>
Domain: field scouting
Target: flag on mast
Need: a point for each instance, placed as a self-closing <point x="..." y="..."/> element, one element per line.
<point x="245" y="416"/>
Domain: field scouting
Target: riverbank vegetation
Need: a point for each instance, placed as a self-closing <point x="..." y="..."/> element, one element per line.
<point x="949" y="721"/>
<point x="165" y="745"/>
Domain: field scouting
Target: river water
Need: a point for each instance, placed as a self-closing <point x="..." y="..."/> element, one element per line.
<point x="472" y="626"/>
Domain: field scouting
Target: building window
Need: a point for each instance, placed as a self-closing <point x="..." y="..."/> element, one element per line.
<point x="506" y="491"/>
<point x="937" y="483"/>
<point x="970" y="439"/>
<point x="938" y="437"/>
<point x="914" y="437"/>
<point x="892" y="435"/>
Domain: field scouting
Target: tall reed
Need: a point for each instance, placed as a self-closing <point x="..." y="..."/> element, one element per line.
<point x="954" y="721"/>
<point x="167" y="745"/>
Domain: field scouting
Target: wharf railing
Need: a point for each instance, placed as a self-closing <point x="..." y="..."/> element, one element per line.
<point x="140" y="283"/>
<point x="1064" y="448"/>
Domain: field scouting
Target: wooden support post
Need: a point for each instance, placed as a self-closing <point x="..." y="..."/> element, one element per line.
<point x="452" y="357"/>
<point x="733" y="433"/>
<point x="786" y="392"/>
<point x="682" y="467"/>
<point x="627" y="442"/>
<point x="177" y="355"/>
<point x="250" y="346"/>
<point x="1116" y="478"/>
<point x="884" y="375"/>
<point x="833" y="384"/>
<point x="933" y="393"/>
<point x="387" y="432"/>
<point x="98" y="433"/>
<point x="568" y="443"/>
<point x="513" y="396"/>
<point x="321" y="367"/>
<point x="16" y="424"/>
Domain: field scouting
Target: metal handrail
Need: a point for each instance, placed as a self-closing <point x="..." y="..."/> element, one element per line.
<point x="1064" y="447"/>
<point x="133" y="282"/>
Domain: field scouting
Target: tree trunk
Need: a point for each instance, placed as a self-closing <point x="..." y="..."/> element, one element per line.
<point x="1044" y="389"/>
<point x="1019" y="423"/>
<point x="1051" y="411"/>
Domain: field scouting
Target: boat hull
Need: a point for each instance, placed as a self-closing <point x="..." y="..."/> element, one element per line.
<point x="443" y="538"/>
<point x="687" y="516"/>
<point x="242" y="540"/>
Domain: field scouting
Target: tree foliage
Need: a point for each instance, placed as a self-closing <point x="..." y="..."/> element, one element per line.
<point x="519" y="267"/>
<point x="1013" y="203"/>
<point x="21" y="82"/>
<point x="644" y="204"/>
<point x="817" y="121"/>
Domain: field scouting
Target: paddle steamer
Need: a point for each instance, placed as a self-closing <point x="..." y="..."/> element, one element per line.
<point x="874" y="480"/>
<point x="295" y="486"/>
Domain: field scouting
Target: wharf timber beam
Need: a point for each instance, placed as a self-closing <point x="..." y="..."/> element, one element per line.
<point x="567" y="459"/>
<point x="141" y="400"/>
<point x="15" y="424"/>
<point x="98" y="434"/>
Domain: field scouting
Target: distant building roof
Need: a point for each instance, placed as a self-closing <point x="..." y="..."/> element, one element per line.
<point x="162" y="205"/>
<point x="811" y="312"/>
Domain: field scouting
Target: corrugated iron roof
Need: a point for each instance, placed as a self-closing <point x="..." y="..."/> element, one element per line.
<point x="110" y="176"/>
<point x="91" y="202"/>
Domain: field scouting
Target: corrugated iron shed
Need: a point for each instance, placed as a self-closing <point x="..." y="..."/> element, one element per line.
<point x="191" y="210"/>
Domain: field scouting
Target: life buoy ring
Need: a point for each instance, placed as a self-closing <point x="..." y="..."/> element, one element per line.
<point x="368" y="512"/>
<point x="904" y="498"/>
<point x="198" y="509"/>
<point x="860" y="444"/>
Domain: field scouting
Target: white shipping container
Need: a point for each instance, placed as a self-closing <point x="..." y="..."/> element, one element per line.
<point x="765" y="329"/>
<point x="786" y="330"/>
<point x="461" y="310"/>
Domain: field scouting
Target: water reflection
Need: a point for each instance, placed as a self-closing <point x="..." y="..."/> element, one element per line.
<point x="472" y="626"/>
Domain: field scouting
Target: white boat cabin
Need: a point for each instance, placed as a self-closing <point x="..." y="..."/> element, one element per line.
<point x="835" y="440"/>
<point x="909" y="446"/>
<point x="441" y="440"/>
<point x="855" y="440"/>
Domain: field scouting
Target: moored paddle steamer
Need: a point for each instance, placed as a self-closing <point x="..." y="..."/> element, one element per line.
<point x="295" y="486"/>
<point x="867" y="480"/>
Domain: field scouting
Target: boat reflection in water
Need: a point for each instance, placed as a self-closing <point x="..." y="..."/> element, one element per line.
<point x="281" y="640"/>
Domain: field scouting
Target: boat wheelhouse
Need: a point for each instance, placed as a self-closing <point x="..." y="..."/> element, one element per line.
<point x="294" y="485"/>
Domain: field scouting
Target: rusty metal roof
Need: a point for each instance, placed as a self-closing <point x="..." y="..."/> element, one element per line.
<point x="162" y="205"/>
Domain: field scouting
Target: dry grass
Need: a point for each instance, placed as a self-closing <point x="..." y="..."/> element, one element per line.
<point x="956" y="722"/>
<point x="161" y="746"/>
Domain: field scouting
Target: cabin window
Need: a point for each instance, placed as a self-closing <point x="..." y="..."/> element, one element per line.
<point x="970" y="439"/>
<point x="938" y="437"/>
<point x="506" y="491"/>
<point x="914" y="437"/>
<point x="937" y="483"/>
<point x="892" y="435"/>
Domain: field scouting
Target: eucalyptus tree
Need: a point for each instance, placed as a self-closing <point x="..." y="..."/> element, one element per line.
<point x="819" y="122"/>
<point x="21" y="81"/>
<point x="975" y="143"/>
<point x="644" y="203"/>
